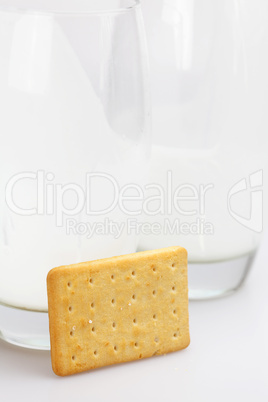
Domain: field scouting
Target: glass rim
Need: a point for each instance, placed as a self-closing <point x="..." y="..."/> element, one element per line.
<point x="29" y="8"/>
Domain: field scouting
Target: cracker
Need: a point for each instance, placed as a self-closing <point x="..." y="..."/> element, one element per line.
<point x="118" y="309"/>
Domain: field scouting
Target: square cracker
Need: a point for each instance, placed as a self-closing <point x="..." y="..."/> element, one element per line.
<point x="118" y="309"/>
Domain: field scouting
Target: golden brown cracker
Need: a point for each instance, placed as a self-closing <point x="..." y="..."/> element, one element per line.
<point x="118" y="309"/>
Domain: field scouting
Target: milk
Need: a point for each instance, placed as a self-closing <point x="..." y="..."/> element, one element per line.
<point x="209" y="97"/>
<point x="225" y="238"/>
<point x="54" y="122"/>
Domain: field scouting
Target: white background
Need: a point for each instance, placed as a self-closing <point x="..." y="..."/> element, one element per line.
<point x="227" y="359"/>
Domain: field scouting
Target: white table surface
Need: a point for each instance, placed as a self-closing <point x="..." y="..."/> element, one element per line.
<point x="227" y="359"/>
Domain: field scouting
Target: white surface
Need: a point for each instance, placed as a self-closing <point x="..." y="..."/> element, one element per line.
<point x="226" y="360"/>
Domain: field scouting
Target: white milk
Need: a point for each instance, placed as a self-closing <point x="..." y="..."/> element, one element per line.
<point x="228" y="238"/>
<point x="42" y="129"/>
<point x="209" y="96"/>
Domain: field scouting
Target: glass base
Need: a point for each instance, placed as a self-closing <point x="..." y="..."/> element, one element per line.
<point x="25" y="328"/>
<point x="216" y="279"/>
<point x="30" y="329"/>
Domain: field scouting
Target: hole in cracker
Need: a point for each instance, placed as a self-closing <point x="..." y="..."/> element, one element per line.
<point x="174" y="311"/>
<point x="113" y="301"/>
<point x="133" y="273"/>
<point x="154" y="292"/>
<point x="173" y="265"/>
<point x="173" y="288"/>
<point x="133" y="297"/>
<point x="154" y="269"/>
<point x="175" y="335"/>
<point x="90" y="280"/>
<point x="134" y="320"/>
<point x="115" y="348"/>
<point x="156" y="339"/>
<point x="140" y="356"/>
<point x="73" y="357"/>
<point x="93" y="329"/>
<point x="70" y="308"/>
<point x="95" y="352"/>
<point x="112" y="277"/>
<point x="92" y="305"/>
<point x="136" y="344"/>
<point x="114" y="324"/>
<point x="71" y="333"/>
<point x="69" y="284"/>
<point x="154" y="316"/>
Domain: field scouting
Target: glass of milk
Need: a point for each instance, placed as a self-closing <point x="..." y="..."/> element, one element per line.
<point x="74" y="126"/>
<point x="209" y="64"/>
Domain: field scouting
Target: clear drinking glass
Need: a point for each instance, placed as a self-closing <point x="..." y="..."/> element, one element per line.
<point x="209" y="64"/>
<point x="74" y="126"/>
